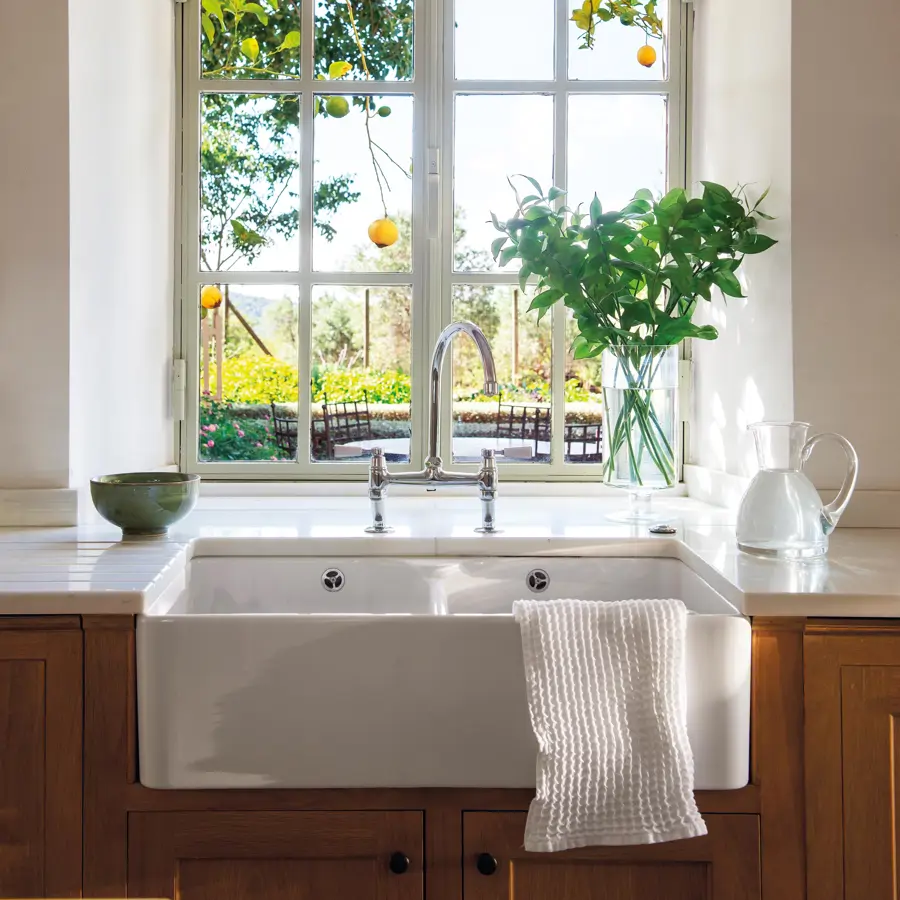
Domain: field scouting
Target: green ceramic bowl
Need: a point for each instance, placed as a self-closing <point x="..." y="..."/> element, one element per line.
<point x="145" y="502"/>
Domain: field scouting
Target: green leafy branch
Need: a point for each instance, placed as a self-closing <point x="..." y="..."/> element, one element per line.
<point x="638" y="13"/>
<point x="244" y="52"/>
<point x="633" y="276"/>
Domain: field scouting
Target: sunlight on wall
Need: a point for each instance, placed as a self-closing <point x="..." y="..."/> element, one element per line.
<point x="741" y="135"/>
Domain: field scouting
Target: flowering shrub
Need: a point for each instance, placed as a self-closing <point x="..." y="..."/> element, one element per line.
<point x="351" y="384"/>
<point x="534" y="390"/>
<point x="253" y="378"/>
<point x="225" y="437"/>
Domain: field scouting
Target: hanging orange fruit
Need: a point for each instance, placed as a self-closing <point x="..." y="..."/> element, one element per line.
<point x="210" y="297"/>
<point x="646" y="56"/>
<point x="383" y="233"/>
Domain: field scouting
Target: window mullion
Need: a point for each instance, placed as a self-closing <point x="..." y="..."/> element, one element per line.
<point x="560" y="179"/>
<point x="444" y="140"/>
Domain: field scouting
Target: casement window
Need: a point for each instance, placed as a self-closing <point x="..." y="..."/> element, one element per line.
<point x="305" y="344"/>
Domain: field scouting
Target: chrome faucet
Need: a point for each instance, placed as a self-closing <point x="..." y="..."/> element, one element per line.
<point x="433" y="475"/>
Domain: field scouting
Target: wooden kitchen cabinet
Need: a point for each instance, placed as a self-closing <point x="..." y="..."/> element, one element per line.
<point x="852" y="722"/>
<point x="244" y="855"/>
<point x="723" y="865"/>
<point x="40" y="757"/>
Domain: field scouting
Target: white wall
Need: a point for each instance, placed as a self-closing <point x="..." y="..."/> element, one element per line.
<point x="121" y="90"/>
<point x="34" y="251"/>
<point x="846" y="213"/>
<point x="741" y="135"/>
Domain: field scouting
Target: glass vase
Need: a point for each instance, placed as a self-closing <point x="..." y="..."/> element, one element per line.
<point x="640" y="399"/>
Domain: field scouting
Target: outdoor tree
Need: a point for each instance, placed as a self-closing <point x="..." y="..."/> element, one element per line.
<point x="249" y="159"/>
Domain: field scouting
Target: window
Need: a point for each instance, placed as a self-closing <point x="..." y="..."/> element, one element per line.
<point x="305" y="343"/>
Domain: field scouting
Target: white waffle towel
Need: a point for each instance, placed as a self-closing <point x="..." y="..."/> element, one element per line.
<point x="606" y="692"/>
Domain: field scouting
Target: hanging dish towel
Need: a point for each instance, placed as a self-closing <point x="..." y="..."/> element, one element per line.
<point x="606" y="692"/>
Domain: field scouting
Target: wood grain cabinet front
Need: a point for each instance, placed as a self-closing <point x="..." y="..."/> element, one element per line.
<point x="723" y="865"/>
<point x="852" y="723"/>
<point x="242" y="855"/>
<point x="40" y="758"/>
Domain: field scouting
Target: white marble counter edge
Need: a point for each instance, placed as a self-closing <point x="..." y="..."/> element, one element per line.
<point x="172" y="574"/>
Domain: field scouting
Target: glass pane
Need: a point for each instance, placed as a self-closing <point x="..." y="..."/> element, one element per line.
<point x="363" y="173"/>
<point x="617" y="144"/>
<point x="496" y="137"/>
<point x="249" y="333"/>
<point x="490" y="43"/>
<point x="384" y="49"/>
<point x="360" y="384"/>
<point x="583" y="434"/>
<point x="249" y="182"/>
<point x="260" y="41"/>
<point x="520" y="417"/>
<point x="614" y="55"/>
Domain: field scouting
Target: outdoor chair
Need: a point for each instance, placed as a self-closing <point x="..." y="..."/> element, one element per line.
<point x="285" y="433"/>
<point x="346" y="423"/>
<point x="588" y="438"/>
<point x="524" y="423"/>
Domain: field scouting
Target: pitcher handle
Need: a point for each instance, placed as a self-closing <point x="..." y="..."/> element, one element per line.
<point x="834" y="510"/>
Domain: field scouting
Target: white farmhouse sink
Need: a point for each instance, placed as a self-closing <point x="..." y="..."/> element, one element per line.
<point x="410" y="675"/>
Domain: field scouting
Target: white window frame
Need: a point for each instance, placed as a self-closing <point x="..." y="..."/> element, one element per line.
<point x="433" y="89"/>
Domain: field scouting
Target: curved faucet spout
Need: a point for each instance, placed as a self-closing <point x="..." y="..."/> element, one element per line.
<point x="437" y="363"/>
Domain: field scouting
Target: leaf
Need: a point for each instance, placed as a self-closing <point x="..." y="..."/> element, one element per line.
<point x="545" y="299"/>
<point x="338" y="69"/>
<point x="250" y="48"/>
<point x="655" y="233"/>
<point x="727" y="283"/>
<point x="507" y="254"/>
<point x="533" y="183"/>
<point x="554" y="193"/>
<point x="675" y="198"/>
<point x="497" y="245"/>
<point x="524" y="272"/>
<point x="214" y="8"/>
<point x="693" y="208"/>
<point x="596" y="210"/>
<point x="291" y="40"/>
<point x="755" y="243"/>
<point x="716" y="191"/>
<point x="208" y="28"/>
<point x="258" y="11"/>
<point x="644" y="194"/>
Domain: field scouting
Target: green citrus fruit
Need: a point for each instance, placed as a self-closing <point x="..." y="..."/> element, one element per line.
<point x="384" y="111"/>
<point x="337" y="107"/>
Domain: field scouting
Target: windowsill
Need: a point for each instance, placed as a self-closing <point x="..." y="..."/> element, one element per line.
<point x="358" y="489"/>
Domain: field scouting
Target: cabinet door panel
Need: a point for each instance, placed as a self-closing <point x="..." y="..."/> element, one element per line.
<point x="40" y="760"/>
<point x="22" y="745"/>
<point x="276" y="855"/>
<point x="870" y="729"/>
<point x="723" y="865"/>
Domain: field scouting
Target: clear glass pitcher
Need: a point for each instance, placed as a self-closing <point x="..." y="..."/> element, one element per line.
<point x="781" y="514"/>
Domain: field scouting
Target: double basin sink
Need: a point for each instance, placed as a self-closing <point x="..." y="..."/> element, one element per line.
<point x="301" y="672"/>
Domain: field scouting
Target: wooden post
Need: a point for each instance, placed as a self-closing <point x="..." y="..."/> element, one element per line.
<point x="219" y="330"/>
<point x="366" y="332"/>
<point x="205" y="338"/>
<point x="515" y="365"/>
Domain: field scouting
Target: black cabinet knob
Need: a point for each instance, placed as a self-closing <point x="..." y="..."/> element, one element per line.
<point x="398" y="863"/>
<point x="486" y="864"/>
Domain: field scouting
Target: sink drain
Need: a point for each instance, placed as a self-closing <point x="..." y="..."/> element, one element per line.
<point x="538" y="580"/>
<point x="333" y="580"/>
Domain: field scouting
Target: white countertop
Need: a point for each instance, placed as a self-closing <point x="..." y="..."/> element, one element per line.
<point x="91" y="570"/>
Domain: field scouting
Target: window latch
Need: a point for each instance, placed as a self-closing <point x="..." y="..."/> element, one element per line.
<point x="179" y="373"/>
<point x="685" y="386"/>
